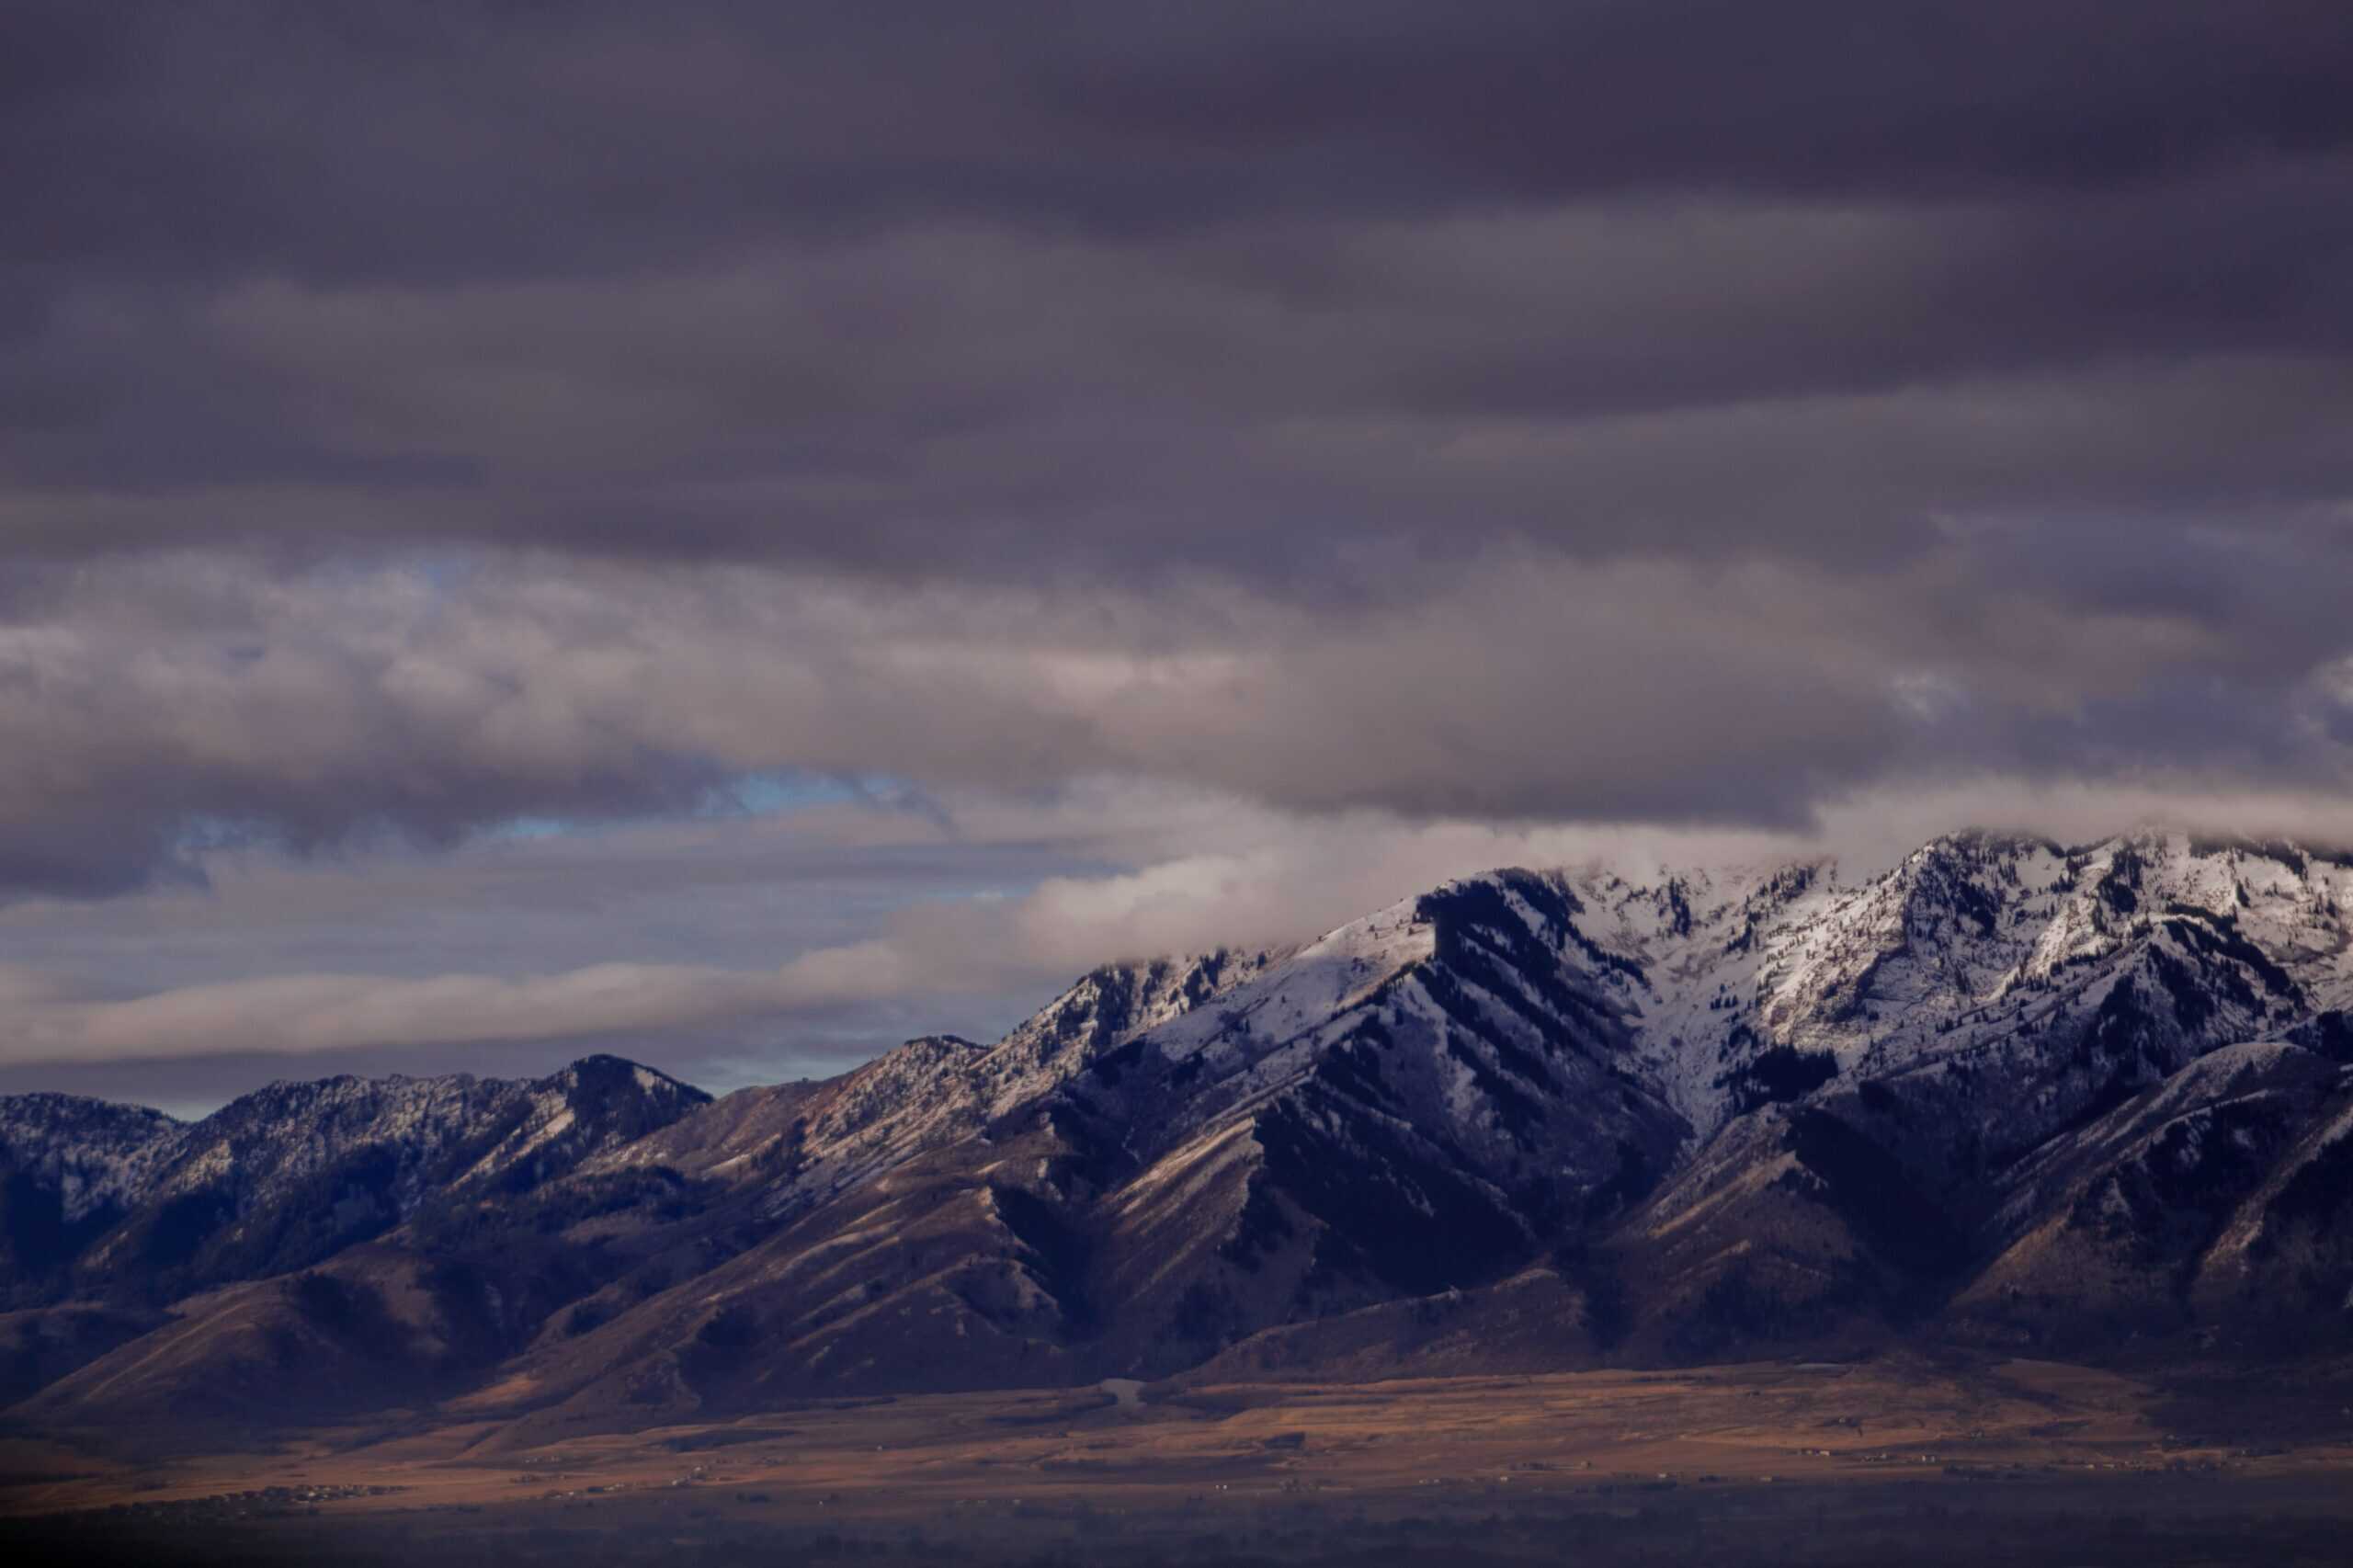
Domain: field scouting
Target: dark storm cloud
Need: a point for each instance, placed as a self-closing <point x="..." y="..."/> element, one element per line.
<point x="466" y="140"/>
<point x="412" y="417"/>
<point x="1807" y="383"/>
<point x="968" y="288"/>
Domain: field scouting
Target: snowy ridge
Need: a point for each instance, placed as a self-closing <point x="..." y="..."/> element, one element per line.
<point x="810" y="1143"/>
<point x="242" y="1189"/>
<point x="1971" y="941"/>
<point x="95" y="1155"/>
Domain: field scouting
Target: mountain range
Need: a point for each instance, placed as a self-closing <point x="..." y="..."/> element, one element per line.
<point x="2094" y="1101"/>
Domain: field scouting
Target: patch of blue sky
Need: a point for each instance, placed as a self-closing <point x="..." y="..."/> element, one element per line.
<point x="771" y="794"/>
<point x="527" y="828"/>
<point x="766" y="794"/>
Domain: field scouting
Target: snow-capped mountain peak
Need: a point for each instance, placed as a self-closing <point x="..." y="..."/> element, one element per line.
<point x="2010" y="1085"/>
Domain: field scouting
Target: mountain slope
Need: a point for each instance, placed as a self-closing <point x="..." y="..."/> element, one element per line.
<point x="2111" y="1228"/>
<point x="70" y="1168"/>
<point x="113" y="1213"/>
<point x="292" y="1174"/>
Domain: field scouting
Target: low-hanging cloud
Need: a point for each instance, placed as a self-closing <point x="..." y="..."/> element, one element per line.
<point x="1222" y="873"/>
<point x="145" y="712"/>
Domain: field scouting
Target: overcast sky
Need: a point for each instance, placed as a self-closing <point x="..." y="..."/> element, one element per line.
<point x="734" y="533"/>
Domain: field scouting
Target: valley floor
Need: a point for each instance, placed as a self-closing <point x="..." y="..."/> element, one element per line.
<point x="1907" y="1459"/>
